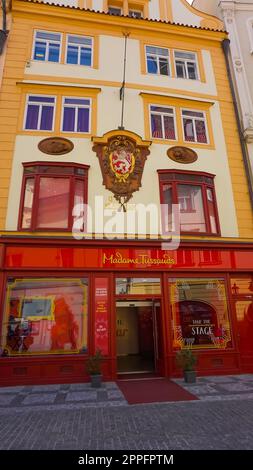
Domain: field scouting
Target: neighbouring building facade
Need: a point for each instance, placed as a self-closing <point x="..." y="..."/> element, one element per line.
<point x="108" y="111"/>
<point x="238" y="20"/>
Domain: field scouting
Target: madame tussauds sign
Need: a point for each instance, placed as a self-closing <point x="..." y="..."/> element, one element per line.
<point x="140" y="259"/>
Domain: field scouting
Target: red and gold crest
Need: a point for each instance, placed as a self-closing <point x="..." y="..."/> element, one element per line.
<point x="122" y="163"/>
<point x="122" y="156"/>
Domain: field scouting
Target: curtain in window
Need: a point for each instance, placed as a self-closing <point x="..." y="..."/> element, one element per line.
<point x="201" y="131"/>
<point x="69" y="119"/>
<point x="83" y="120"/>
<point x="46" y="123"/>
<point x="32" y="117"/>
<point x="53" y="204"/>
<point x="156" y="125"/>
<point x="169" y="128"/>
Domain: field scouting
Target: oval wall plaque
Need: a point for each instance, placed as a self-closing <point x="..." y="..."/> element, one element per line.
<point x="182" y="155"/>
<point x="55" y="146"/>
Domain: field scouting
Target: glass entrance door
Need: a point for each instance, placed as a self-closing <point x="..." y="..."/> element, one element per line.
<point x="135" y="338"/>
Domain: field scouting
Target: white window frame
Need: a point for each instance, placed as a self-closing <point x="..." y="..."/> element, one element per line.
<point x="47" y="46"/>
<point x="79" y="49"/>
<point x="40" y="111"/>
<point x="76" y="106"/>
<point x="185" y="64"/>
<point x="250" y="31"/>
<point x="163" y="114"/>
<point x="194" y="126"/>
<point x="157" y="60"/>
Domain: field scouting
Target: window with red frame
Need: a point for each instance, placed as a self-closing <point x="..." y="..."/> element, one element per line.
<point x="49" y="194"/>
<point x="195" y="194"/>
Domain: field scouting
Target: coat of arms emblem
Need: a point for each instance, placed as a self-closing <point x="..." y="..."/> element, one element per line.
<point x="122" y="156"/>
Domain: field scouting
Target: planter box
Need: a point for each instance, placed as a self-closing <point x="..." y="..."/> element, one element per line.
<point x="190" y="376"/>
<point x="96" y="380"/>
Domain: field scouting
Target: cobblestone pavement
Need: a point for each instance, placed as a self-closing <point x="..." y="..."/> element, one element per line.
<point x="192" y="425"/>
<point x="77" y="417"/>
<point x="229" y="387"/>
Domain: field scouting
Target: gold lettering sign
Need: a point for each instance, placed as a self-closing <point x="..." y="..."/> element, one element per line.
<point x="139" y="260"/>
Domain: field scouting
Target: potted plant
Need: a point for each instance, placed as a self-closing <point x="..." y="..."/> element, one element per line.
<point x="187" y="361"/>
<point x="93" y="368"/>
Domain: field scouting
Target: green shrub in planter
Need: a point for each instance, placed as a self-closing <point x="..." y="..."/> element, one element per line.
<point x="186" y="361"/>
<point x="93" y="368"/>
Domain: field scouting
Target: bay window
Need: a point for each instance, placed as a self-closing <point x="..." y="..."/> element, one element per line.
<point x="49" y="194"/>
<point x="195" y="195"/>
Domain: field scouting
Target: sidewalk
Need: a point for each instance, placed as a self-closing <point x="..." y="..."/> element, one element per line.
<point x="79" y="396"/>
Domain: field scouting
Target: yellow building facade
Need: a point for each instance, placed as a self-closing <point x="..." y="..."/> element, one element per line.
<point x="123" y="106"/>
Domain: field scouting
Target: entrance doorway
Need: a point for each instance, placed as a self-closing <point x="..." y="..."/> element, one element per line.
<point x="136" y="336"/>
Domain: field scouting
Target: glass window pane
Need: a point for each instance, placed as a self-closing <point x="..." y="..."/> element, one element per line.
<point x="192" y="71"/>
<point x="78" y="101"/>
<point x="39" y="51"/>
<point x="46" y="123"/>
<point x="184" y="55"/>
<point x="188" y="130"/>
<point x="85" y="58"/>
<point x="152" y="64"/>
<point x="80" y="40"/>
<point x="53" y="203"/>
<point x="167" y="211"/>
<point x="46" y="316"/>
<point x="163" y="66"/>
<point x="79" y="192"/>
<point x="193" y="113"/>
<point x="201" y="131"/>
<point x="160" y="109"/>
<point x="83" y="120"/>
<point x="72" y="55"/>
<point x="32" y="117"/>
<point x="180" y="68"/>
<point x="69" y="119"/>
<point x="211" y="210"/>
<point x="199" y="313"/>
<point x="138" y="285"/>
<point x="54" y="52"/>
<point x="242" y="284"/>
<point x="28" y="203"/>
<point x="156" y="126"/>
<point x="169" y="128"/>
<point x="48" y="36"/>
<point x="114" y="11"/>
<point x="41" y="99"/>
<point x="191" y="208"/>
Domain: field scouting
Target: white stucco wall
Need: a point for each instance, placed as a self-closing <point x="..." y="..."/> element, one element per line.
<point x="109" y="112"/>
<point x="108" y="71"/>
<point x="183" y="15"/>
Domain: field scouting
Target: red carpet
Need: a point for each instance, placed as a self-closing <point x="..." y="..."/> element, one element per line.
<point x="153" y="390"/>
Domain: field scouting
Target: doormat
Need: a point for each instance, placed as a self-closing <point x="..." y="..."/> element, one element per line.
<point x="153" y="391"/>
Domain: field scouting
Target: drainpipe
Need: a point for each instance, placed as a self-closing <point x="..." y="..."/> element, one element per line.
<point x="226" y="50"/>
<point x="3" y="32"/>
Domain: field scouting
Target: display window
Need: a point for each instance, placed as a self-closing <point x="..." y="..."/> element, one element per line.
<point x="199" y="313"/>
<point x="45" y="316"/>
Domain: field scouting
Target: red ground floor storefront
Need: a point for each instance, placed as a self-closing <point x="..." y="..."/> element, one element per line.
<point x="62" y="299"/>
